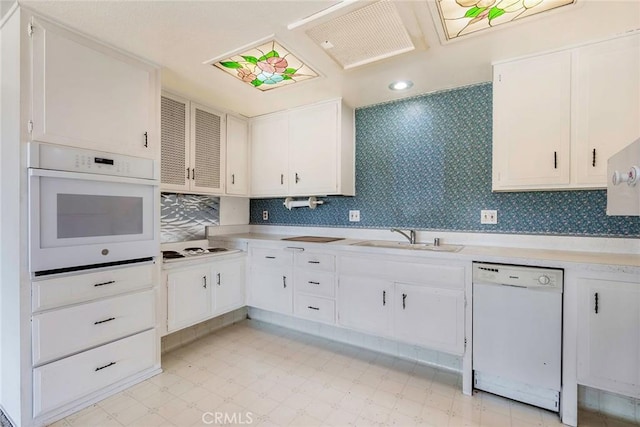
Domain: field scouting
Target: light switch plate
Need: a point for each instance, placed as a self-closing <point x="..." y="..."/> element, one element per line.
<point x="488" y="217"/>
<point x="354" y="216"/>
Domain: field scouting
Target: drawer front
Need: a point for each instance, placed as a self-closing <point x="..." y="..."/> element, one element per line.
<point x="442" y="275"/>
<point x="60" y="291"/>
<point x="322" y="262"/>
<point x="66" y="380"/>
<point x="58" y="333"/>
<point x="270" y="257"/>
<point x="315" y="308"/>
<point x="320" y="283"/>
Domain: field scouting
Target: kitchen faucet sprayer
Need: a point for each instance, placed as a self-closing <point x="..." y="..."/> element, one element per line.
<point x="411" y="237"/>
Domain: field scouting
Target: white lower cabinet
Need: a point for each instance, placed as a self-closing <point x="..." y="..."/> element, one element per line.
<point x="91" y="331"/>
<point x="609" y="335"/>
<point x="72" y="378"/>
<point x="271" y="279"/>
<point x="229" y="278"/>
<point x="92" y="324"/>
<point x="430" y="317"/>
<point x="207" y="289"/>
<point x="421" y="303"/>
<point x="189" y="297"/>
<point x="365" y="304"/>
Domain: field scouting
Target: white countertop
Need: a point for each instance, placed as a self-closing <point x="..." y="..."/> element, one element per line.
<point x="469" y="252"/>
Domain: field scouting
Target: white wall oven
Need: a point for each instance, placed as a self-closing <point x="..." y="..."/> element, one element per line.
<point x="90" y="209"/>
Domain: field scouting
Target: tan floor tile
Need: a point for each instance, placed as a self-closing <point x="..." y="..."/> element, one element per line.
<point x="151" y="420"/>
<point x="283" y="415"/>
<point x="494" y="419"/>
<point x="172" y="408"/>
<point x="435" y="417"/>
<point x="376" y="413"/>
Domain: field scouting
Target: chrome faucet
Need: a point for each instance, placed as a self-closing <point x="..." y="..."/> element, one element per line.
<point x="411" y="237"/>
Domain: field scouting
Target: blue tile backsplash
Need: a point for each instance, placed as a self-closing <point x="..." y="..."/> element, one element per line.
<point x="425" y="163"/>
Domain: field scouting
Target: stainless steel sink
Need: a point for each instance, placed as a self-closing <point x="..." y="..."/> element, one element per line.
<point x="410" y="246"/>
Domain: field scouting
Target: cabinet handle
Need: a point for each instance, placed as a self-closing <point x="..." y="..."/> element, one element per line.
<point x="193" y="174"/>
<point x="284" y="281"/>
<point x="313" y="283"/>
<point x="104" y="321"/>
<point x="313" y="308"/>
<point x="555" y="160"/>
<point x="297" y="178"/>
<point x="593" y="158"/>
<point x="204" y="279"/>
<point x="313" y="262"/>
<point x="596" y="301"/>
<point x="384" y="298"/>
<point x="188" y="173"/>
<point x="233" y="178"/>
<point x="270" y="257"/>
<point x="218" y="279"/>
<point x="404" y="301"/>
<point x="281" y="179"/>
<point x="146" y="139"/>
<point x="110" y="282"/>
<point x="105" y="366"/>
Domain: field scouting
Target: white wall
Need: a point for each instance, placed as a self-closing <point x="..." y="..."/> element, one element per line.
<point x="10" y="221"/>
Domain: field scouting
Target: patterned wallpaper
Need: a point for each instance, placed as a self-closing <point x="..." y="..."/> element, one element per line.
<point x="425" y="163"/>
<point x="184" y="216"/>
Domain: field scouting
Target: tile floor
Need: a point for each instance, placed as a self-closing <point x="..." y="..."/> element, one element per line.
<point x="255" y="373"/>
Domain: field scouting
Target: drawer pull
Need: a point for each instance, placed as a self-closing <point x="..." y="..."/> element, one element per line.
<point x="218" y="280"/>
<point x="110" y="282"/>
<point x="284" y="281"/>
<point x="105" y="366"/>
<point x="204" y="279"/>
<point x="593" y="158"/>
<point x="314" y="283"/>
<point x="104" y="321"/>
<point x="270" y="257"/>
<point x="313" y="262"/>
<point x="313" y="308"/>
<point x="384" y="298"/>
<point x="294" y="249"/>
<point x="404" y="301"/>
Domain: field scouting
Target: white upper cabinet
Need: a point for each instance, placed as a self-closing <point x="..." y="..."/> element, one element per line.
<point x="237" y="179"/>
<point x="193" y="147"/>
<point x="90" y="96"/>
<point x="269" y="155"/>
<point x="531" y="122"/>
<point x="607" y="110"/>
<point x="313" y="145"/>
<point x="558" y="117"/>
<point x="304" y="151"/>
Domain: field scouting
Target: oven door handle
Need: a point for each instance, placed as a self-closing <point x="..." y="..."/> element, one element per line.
<point x="92" y="177"/>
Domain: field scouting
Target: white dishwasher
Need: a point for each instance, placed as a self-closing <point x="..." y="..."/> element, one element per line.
<point x="517" y="332"/>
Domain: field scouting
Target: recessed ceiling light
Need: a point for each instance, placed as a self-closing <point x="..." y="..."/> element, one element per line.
<point x="401" y="85"/>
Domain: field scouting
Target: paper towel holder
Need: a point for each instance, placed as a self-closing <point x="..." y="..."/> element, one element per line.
<point x="311" y="203"/>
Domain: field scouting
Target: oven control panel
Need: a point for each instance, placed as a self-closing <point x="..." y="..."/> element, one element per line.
<point x="71" y="159"/>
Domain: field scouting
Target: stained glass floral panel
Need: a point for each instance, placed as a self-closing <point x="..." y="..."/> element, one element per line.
<point x="266" y="66"/>
<point x="462" y="17"/>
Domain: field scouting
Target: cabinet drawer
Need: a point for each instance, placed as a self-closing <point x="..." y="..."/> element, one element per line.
<point x="69" y="330"/>
<point x="51" y="293"/>
<point x="315" y="308"/>
<point x="66" y="380"/>
<point x="323" y="262"/>
<point x="271" y="257"/>
<point x="319" y="283"/>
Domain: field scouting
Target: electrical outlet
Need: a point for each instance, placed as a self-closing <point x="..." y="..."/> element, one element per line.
<point x="488" y="217"/>
<point x="354" y="216"/>
<point x="265" y="215"/>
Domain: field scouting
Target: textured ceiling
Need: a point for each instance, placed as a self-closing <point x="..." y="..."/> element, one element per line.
<point x="180" y="35"/>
